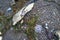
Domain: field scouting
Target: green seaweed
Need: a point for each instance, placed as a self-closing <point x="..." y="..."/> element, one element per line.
<point x="5" y="23"/>
<point x="30" y="30"/>
<point x="32" y="21"/>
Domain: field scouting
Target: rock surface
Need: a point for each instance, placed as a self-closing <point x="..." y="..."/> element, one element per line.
<point x="47" y="12"/>
<point x="13" y="35"/>
<point x="4" y="5"/>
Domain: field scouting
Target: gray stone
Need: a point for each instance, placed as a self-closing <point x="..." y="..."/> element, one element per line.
<point x="13" y="35"/>
<point x="4" y="5"/>
<point x="47" y="12"/>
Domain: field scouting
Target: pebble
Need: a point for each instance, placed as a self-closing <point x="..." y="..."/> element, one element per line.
<point x="9" y="9"/>
<point x="46" y="26"/>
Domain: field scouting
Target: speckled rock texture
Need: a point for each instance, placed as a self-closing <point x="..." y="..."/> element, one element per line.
<point x="4" y="5"/>
<point x="47" y="12"/>
<point x="14" y="35"/>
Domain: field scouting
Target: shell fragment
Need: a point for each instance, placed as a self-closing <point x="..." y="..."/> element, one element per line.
<point x="18" y="16"/>
<point x="0" y="37"/>
<point x="58" y="33"/>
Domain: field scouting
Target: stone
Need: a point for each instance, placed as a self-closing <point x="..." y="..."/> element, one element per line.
<point x="47" y="12"/>
<point x="13" y="35"/>
<point x="4" y="5"/>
